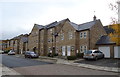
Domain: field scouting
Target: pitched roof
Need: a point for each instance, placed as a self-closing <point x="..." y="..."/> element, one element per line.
<point x="39" y="26"/>
<point x="87" y="25"/>
<point x="24" y="39"/>
<point x="108" y="30"/>
<point x="74" y="25"/>
<point x="104" y="40"/>
<point x="53" y="24"/>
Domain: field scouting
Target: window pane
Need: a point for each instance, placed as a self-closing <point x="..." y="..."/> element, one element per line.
<point x="81" y="35"/>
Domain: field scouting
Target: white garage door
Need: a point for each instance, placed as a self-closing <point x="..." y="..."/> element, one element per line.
<point x="117" y="52"/>
<point x="106" y="51"/>
<point x="68" y="50"/>
<point x="63" y="50"/>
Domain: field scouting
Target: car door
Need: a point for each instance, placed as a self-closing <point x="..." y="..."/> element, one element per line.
<point x="96" y="53"/>
<point x="100" y="54"/>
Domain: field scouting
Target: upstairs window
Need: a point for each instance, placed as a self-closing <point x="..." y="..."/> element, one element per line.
<point x="83" y="35"/>
<point x="70" y="35"/>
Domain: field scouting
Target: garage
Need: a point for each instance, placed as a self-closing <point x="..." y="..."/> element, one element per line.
<point x="117" y="52"/>
<point x="105" y="50"/>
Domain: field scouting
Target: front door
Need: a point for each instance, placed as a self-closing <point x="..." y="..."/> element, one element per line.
<point x="68" y="50"/>
<point x="63" y="50"/>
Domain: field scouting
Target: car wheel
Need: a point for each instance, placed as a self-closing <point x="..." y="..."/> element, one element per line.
<point x="103" y="56"/>
<point x="96" y="58"/>
<point x="30" y="57"/>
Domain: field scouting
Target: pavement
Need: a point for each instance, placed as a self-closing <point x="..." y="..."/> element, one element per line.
<point x="73" y="63"/>
<point x="7" y="71"/>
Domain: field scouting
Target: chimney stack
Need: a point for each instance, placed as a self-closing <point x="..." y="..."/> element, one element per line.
<point x="94" y="18"/>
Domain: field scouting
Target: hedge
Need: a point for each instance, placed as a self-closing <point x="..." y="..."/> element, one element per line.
<point x="71" y="57"/>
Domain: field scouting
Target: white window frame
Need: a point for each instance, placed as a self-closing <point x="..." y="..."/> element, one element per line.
<point x="83" y="48"/>
<point x="85" y="34"/>
<point x="70" y="34"/>
<point x="81" y="35"/>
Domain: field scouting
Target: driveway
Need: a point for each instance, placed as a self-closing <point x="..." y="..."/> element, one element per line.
<point x="101" y="62"/>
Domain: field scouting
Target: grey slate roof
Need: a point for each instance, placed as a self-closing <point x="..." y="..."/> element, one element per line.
<point x="39" y="26"/>
<point x="24" y="39"/>
<point x="53" y="24"/>
<point x="74" y="25"/>
<point x="108" y="30"/>
<point x="104" y="40"/>
<point x="87" y="25"/>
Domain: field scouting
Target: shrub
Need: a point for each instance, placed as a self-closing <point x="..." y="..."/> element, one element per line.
<point x="79" y="55"/>
<point x="71" y="57"/>
<point x="6" y="51"/>
<point x="50" y="55"/>
<point x="56" y="54"/>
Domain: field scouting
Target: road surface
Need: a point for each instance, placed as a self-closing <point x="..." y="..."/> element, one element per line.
<point x="33" y="67"/>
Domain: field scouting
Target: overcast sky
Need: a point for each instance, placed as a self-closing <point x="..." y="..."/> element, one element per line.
<point x="19" y="16"/>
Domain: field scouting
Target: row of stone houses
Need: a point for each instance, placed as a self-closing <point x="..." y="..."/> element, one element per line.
<point x="65" y="37"/>
<point x="62" y="37"/>
<point x="18" y="44"/>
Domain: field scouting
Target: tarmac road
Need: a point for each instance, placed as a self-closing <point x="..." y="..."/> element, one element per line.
<point x="13" y="62"/>
<point x="33" y="67"/>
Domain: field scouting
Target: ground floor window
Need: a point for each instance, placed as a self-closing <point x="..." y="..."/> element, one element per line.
<point x="83" y="48"/>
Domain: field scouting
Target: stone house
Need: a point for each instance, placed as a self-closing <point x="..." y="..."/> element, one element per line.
<point x="3" y="45"/>
<point x="33" y="38"/>
<point x="0" y="44"/>
<point x="50" y="43"/>
<point x="42" y="40"/>
<point x="23" y="43"/>
<point x="16" y="45"/>
<point x="12" y="44"/>
<point x="73" y="38"/>
<point x="65" y="37"/>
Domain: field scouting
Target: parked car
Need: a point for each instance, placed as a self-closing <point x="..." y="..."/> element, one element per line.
<point x="31" y="54"/>
<point x="11" y="52"/>
<point x="1" y="52"/>
<point x="93" y="54"/>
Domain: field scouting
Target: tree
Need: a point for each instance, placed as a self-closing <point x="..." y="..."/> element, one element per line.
<point x="115" y="36"/>
<point x="114" y="8"/>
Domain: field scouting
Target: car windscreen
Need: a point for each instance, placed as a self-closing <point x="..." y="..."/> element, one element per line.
<point x="12" y="51"/>
<point x="32" y="53"/>
<point x="88" y="52"/>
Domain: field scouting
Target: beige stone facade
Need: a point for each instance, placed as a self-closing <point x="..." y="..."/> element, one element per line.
<point x="66" y="38"/>
<point x="42" y="42"/>
<point x="23" y="43"/>
<point x="33" y="39"/>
